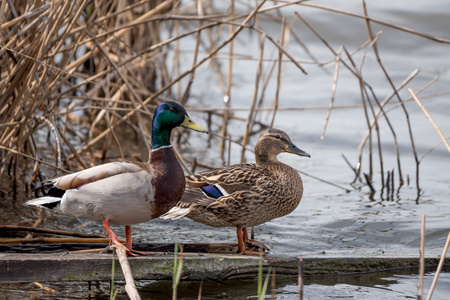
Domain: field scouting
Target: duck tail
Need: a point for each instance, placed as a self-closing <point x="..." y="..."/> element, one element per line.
<point x="176" y="213"/>
<point x="48" y="202"/>
<point x="48" y="188"/>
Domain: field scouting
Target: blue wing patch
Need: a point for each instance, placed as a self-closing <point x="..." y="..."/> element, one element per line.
<point x="211" y="191"/>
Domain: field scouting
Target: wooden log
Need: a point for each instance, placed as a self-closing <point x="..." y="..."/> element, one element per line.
<point x="55" y="240"/>
<point x="148" y="247"/>
<point x="6" y="228"/>
<point x="27" y="267"/>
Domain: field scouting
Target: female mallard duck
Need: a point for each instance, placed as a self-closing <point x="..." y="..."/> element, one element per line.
<point x="246" y="194"/>
<point x="126" y="193"/>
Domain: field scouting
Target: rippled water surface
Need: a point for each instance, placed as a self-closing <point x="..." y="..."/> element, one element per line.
<point x="401" y="285"/>
<point x="329" y="218"/>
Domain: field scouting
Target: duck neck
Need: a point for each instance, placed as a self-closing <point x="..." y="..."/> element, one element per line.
<point x="264" y="156"/>
<point x="160" y="136"/>
<point x="262" y="161"/>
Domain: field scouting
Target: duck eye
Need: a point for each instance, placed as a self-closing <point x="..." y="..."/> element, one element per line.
<point x="172" y="109"/>
<point x="278" y="137"/>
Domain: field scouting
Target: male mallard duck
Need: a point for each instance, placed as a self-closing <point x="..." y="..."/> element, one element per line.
<point x="244" y="195"/>
<point x="125" y="193"/>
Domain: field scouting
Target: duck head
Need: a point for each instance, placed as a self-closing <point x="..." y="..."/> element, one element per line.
<point x="273" y="142"/>
<point x="169" y="115"/>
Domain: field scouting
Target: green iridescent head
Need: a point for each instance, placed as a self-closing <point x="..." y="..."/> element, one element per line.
<point x="169" y="115"/>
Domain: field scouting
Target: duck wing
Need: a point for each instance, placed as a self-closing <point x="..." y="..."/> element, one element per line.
<point x="228" y="179"/>
<point x="215" y="188"/>
<point x="78" y="179"/>
<point x="121" y="192"/>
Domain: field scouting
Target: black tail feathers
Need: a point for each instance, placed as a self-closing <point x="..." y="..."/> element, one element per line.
<point x="47" y="188"/>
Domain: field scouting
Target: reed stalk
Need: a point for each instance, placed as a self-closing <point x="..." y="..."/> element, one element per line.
<point x="439" y="268"/>
<point x="177" y="268"/>
<point x="48" y="231"/>
<point x="54" y="240"/>
<point x="130" y="287"/>
<point x="436" y="127"/>
<point x="421" y="260"/>
<point x="227" y="96"/>
<point x="300" y="278"/>
<point x="112" y="295"/>
<point x="262" y="282"/>
<point x="251" y="113"/>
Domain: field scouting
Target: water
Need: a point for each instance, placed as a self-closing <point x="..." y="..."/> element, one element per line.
<point x="328" y="218"/>
<point x="385" y="285"/>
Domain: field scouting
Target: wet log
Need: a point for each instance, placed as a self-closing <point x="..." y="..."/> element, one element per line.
<point x="4" y="229"/>
<point x="149" y="247"/>
<point x="55" y="240"/>
<point x="29" y="267"/>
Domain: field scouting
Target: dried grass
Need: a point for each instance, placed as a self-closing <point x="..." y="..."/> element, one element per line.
<point x="77" y="71"/>
<point x="62" y="58"/>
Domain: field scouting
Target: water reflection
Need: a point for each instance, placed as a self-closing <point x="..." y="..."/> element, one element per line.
<point x="384" y="285"/>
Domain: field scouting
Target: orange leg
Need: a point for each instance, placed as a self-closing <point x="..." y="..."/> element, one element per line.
<point x="253" y="243"/>
<point x="113" y="237"/>
<point x="241" y="245"/>
<point x="129" y="244"/>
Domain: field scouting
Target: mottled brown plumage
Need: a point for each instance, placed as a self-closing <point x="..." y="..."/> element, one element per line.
<point x="246" y="194"/>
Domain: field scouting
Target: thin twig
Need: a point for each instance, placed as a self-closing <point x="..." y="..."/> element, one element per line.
<point x="402" y="28"/>
<point x="425" y="111"/>
<point x="422" y="260"/>
<point x="273" y="285"/>
<point x="186" y="93"/>
<point x="413" y="147"/>
<point x="349" y="164"/>
<point x="227" y="96"/>
<point x="369" y="183"/>
<point x="280" y="60"/>
<point x="200" y="290"/>
<point x="71" y="67"/>
<point x="333" y="93"/>
<point x="50" y="231"/>
<point x="251" y="114"/>
<point x="431" y="149"/>
<point x="300" y="278"/>
<point x="439" y="268"/>
<point x="54" y="240"/>
<point x="130" y="287"/>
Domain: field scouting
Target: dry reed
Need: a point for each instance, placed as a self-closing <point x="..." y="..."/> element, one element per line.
<point x="47" y="231"/>
<point x="75" y="73"/>
<point x="300" y="278"/>
<point x="130" y="287"/>
<point x="439" y="268"/>
<point x="421" y="260"/>
<point x="57" y="59"/>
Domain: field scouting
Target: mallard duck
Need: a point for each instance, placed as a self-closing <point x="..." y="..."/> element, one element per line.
<point x="244" y="195"/>
<point x="125" y="193"/>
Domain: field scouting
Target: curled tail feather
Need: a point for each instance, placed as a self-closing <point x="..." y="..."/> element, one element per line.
<point x="48" y="202"/>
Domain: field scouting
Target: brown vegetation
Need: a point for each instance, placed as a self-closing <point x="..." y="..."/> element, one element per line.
<point x="74" y="72"/>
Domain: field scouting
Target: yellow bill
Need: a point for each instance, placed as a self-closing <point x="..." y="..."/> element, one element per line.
<point x="188" y="123"/>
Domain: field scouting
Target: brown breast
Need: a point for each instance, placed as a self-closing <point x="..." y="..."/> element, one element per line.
<point x="169" y="180"/>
